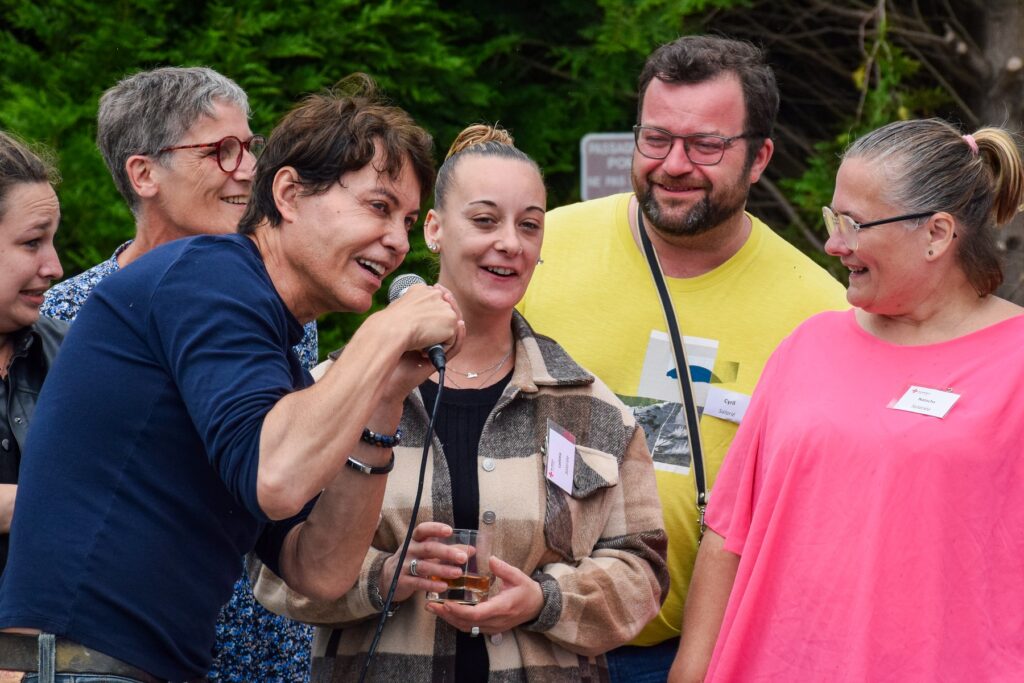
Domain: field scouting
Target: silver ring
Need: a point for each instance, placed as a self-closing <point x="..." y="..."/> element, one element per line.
<point x="475" y="631"/>
<point x="412" y="567"/>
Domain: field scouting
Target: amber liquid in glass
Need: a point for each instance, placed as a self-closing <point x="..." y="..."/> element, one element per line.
<point x="468" y="589"/>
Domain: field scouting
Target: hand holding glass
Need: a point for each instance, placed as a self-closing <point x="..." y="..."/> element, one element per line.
<point x="473" y="586"/>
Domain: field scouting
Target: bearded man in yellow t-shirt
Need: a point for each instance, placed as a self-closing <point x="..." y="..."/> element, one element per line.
<point x="707" y="107"/>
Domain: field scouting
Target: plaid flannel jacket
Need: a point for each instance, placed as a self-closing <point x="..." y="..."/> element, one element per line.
<point x="599" y="554"/>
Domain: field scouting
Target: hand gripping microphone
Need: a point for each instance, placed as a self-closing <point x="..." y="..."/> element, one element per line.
<point x="398" y="287"/>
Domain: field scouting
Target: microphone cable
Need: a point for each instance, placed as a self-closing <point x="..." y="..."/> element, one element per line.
<point x="408" y="533"/>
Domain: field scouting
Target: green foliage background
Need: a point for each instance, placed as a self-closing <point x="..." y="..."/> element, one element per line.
<point x="549" y="71"/>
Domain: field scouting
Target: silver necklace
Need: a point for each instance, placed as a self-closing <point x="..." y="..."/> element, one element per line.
<point x="486" y="377"/>
<point x="493" y="368"/>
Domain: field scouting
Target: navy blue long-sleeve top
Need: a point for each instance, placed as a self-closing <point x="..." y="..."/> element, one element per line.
<point x="137" y="496"/>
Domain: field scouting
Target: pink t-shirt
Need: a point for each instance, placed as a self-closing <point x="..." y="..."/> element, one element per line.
<point x="876" y="544"/>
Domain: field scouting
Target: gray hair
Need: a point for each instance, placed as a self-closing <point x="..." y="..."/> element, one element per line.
<point x="150" y="110"/>
<point x="979" y="180"/>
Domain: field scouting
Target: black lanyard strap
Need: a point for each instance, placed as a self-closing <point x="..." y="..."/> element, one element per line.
<point x="682" y="369"/>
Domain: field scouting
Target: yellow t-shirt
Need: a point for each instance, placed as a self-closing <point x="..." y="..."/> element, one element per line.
<point x="594" y="295"/>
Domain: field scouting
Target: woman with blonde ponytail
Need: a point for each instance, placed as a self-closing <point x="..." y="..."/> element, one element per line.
<point x="867" y="523"/>
<point x="579" y="570"/>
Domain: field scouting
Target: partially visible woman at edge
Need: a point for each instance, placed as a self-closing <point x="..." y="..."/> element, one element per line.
<point x="579" y="573"/>
<point x="868" y="518"/>
<point x="29" y="215"/>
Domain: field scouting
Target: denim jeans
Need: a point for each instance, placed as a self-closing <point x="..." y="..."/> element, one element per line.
<point x="47" y="655"/>
<point x="632" y="664"/>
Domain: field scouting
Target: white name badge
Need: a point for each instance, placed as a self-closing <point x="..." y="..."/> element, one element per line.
<point x="725" y="404"/>
<point x="926" y="401"/>
<point x="561" y="460"/>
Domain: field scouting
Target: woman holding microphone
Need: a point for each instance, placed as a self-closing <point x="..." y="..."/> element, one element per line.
<point x="140" y="494"/>
<point x="580" y="569"/>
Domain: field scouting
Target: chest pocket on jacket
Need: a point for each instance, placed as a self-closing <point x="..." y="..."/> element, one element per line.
<point x="573" y="524"/>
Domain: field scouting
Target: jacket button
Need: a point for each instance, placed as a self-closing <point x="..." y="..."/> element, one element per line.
<point x="488" y="464"/>
<point x="489" y="517"/>
<point x="6" y="443"/>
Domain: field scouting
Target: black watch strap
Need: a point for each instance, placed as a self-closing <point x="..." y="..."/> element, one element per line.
<point x="370" y="469"/>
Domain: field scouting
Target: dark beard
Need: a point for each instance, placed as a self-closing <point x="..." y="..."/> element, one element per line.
<point x="703" y="217"/>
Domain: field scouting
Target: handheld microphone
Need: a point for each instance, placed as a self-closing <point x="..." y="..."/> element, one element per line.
<point x="398" y="287"/>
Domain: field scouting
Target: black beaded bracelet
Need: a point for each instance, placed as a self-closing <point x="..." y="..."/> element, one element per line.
<point x="381" y="440"/>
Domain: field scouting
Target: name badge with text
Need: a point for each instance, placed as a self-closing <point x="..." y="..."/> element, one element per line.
<point x="725" y="404"/>
<point x="561" y="457"/>
<point x="926" y="401"/>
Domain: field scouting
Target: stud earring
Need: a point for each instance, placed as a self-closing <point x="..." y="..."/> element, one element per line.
<point x="931" y="253"/>
<point x="540" y="261"/>
<point x="433" y="247"/>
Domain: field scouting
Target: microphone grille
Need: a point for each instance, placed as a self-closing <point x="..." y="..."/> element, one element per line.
<point x="402" y="283"/>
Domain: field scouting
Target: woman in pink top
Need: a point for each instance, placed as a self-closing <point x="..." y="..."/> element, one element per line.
<point x="868" y="522"/>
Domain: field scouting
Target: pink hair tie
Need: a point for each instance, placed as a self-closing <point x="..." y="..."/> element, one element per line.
<point x="972" y="143"/>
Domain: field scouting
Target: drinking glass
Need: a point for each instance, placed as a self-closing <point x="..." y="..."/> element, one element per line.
<point x="473" y="586"/>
